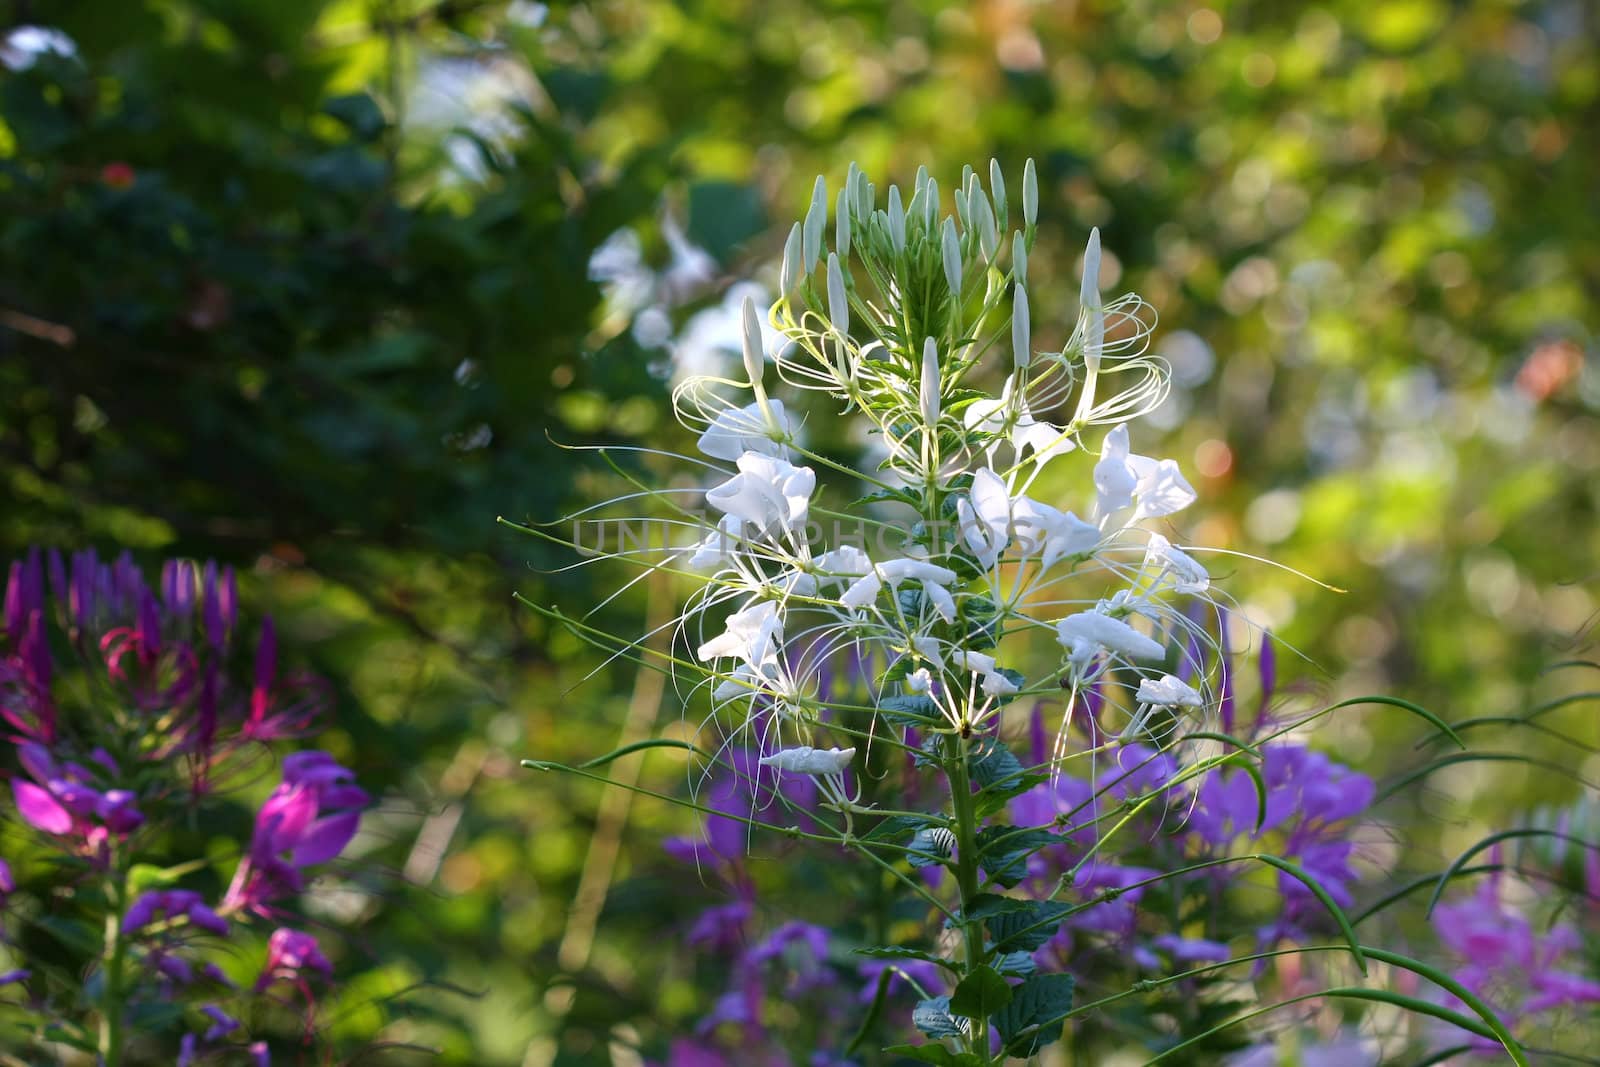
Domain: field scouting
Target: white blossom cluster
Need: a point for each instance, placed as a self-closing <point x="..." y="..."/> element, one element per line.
<point x="897" y="323"/>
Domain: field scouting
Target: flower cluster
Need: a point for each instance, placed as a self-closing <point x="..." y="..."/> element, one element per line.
<point x="962" y="561"/>
<point x="127" y="714"/>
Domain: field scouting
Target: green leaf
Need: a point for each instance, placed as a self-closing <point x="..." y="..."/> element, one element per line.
<point x="1028" y="927"/>
<point x="937" y="1054"/>
<point x="1018" y="964"/>
<point x="932" y="1017"/>
<point x="980" y="994"/>
<point x="1033" y="1018"/>
<point x="991" y="761"/>
<point x="1003" y="851"/>
<point x="910" y="709"/>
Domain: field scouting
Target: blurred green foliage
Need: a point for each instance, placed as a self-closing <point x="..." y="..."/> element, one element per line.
<point x="305" y="285"/>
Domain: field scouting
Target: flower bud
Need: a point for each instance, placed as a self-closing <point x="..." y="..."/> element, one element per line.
<point x="754" y="350"/>
<point x="1030" y="194"/>
<point x="930" y="204"/>
<point x="838" y="306"/>
<point x="897" y="220"/>
<point x="1021" y="328"/>
<point x="988" y="238"/>
<point x="952" y="257"/>
<point x="841" y="226"/>
<point x="1019" y="257"/>
<point x="1089" y="301"/>
<point x="791" y="273"/>
<point x="997" y="189"/>
<point x="930" y="383"/>
<point x="816" y="219"/>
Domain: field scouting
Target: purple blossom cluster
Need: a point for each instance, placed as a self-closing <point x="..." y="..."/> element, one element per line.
<point x="1531" y="974"/>
<point x="128" y="708"/>
<point x="1312" y="807"/>
<point x="793" y="962"/>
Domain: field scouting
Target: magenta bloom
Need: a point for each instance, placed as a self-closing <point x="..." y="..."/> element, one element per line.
<point x="62" y="800"/>
<point x="289" y="954"/>
<point x="1520" y="971"/>
<point x="307" y="820"/>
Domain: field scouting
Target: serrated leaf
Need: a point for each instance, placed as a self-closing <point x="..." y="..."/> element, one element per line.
<point x="936" y="1054"/>
<point x="1003" y="851"/>
<point x="1032" y="1018"/>
<point x="933" y="1018"/>
<point x="910" y="709"/>
<point x="1016" y="964"/>
<point x="991" y="763"/>
<point x="980" y="994"/>
<point x="985" y="905"/>
<point x="1028" y="927"/>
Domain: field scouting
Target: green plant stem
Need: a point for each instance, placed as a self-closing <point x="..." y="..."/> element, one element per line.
<point x="114" y="963"/>
<point x="966" y="830"/>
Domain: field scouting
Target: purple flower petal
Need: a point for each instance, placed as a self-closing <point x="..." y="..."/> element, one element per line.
<point x="325" y="839"/>
<point x="39" y="809"/>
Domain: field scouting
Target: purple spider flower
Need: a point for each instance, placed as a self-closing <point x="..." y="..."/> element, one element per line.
<point x="62" y="800"/>
<point x="309" y="819"/>
<point x="173" y="904"/>
<point x="1519" y="971"/>
<point x="290" y="954"/>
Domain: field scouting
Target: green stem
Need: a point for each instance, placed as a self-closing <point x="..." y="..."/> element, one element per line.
<point x="114" y="961"/>
<point x="966" y="830"/>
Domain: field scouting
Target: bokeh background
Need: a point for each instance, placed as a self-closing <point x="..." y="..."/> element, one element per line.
<point x="319" y="288"/>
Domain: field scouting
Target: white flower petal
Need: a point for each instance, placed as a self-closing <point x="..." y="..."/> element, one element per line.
<point x="808" y="760"/>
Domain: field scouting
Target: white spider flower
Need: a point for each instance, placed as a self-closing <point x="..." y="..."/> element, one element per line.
<point x="1090" y="631"/>
<point x="1168" y="691"/>
<point x="994" y="683"/>
<point x="1188" y="575"/>
<point x="990" y="519"/>
<point x="753" y="634"/>
<point x="1050" y="533"/>
<point x="934" y="578"/>
<point x="736" y="431"/>
<point x="985" y="517"/>
<point x="808" y="760"/>
<point x="1009" y="415"/>
<point x="767" y="492"/>
<point x="920" y="680"/>
<point x="1123" y="479"/>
